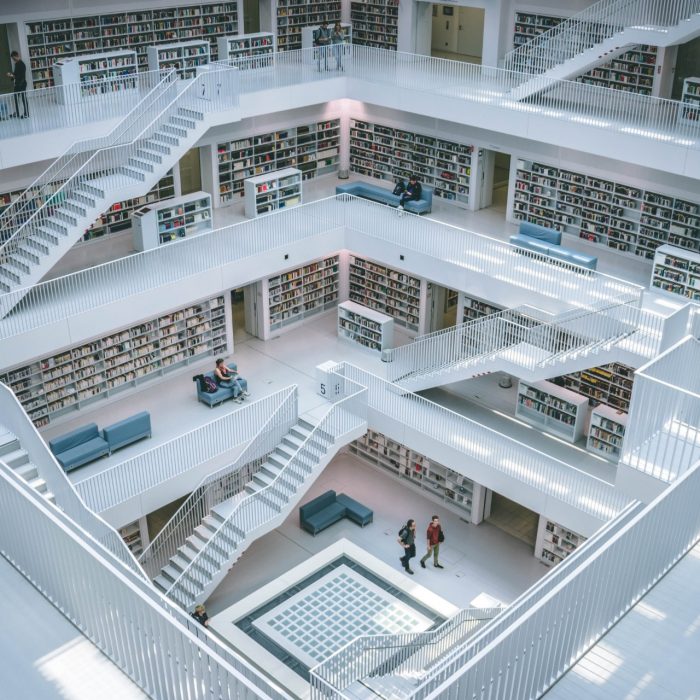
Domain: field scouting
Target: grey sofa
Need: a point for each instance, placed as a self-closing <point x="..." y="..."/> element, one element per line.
<point x="367" y="190"/>
<point x="329" y="508"/>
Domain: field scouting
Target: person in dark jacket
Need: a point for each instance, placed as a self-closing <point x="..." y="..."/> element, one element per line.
<point x="200" y="614"/>
<point x="19" y="75"/>
<point x="407" y="539"/>
<point x="413" y="191"/>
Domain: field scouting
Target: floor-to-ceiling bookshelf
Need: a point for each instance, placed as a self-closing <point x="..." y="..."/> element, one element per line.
<point x="291" y="15"/>
<point x="312" y="148"/>
<point x="677" y="271"/>
<point x="389" y="153"/>
<point x="375" y="23"/>
<point x="609" y="384"/>
<point x="392" y="292"/>
<point x="52" y="39"/>
<point x="614" y="214"/>
<point x="52" y="386"/>
<point x="529" y="25"/>
<point x="437" y="482"/>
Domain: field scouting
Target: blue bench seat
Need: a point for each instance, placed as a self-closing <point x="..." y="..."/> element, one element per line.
<point x="329" y="508"/>
<point x="540" y="239"/>
<point x="367" y="190"/>
<point x="79" y="447"/>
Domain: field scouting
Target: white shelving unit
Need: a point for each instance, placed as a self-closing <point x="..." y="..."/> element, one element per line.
<point x="135" y="535"/>
<point x="297" y="294"/>
<point x="364" y="326"/>
<point x="473" y="308"/>
<point x="171" y="220"/>
<point x="375" y="23"/>
<point x="94" y="72"/>
<point x="529" y="25"/>
<point x="677" y="272"/>
<point x="248" y="51"/>
<point x="633" y="71"/>
<point x="552" y="408"/>
<point x="392" y="292"/>
<point x="691" y="97"/>
<point x="436" y="482"/>
<point x="183" y="56"/>
<point x="555" y="542"/>
<point x="102" y="367"/>
<point x="387" y="153"/>
<point x="280" y="189"/>
<point x="606" y="432"/>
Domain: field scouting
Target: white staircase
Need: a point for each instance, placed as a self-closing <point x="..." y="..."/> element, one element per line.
<point x="599" y="34"/>
<point x="52" y="215"/>
<point x="516" y="341"/>
<point x="17" y="459"/>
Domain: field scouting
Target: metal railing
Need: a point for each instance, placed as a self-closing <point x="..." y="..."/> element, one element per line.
<point x="215" y="89"/>
<point x="224" y="483"/>
<point x="166" y="654"/>
<point x="76" y="104"/>
<point x="44" y="187"/>
<point x="564" y="623"/>
<point x="254" y="511"/>
<point x="409" y="655"/>
<point x="15" y="419"/>
<point x="183" y="453"/>
<point x="414" y="415"/>
<point x="98" y="286"/>
<point x="594" y="25"/>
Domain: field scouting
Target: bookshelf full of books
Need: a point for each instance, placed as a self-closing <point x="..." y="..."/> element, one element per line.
<point x="609" y="384"/>
<point x="690" y="98"/>
<point x="366" y="327"/>
<point x="555" y="542"/>
<point x="606" y="432"/>
<point x="96" y="73"/>
<point x="287" y="18"/>
<point x="375" y="23"/>
<point x="183" y="56"/>
<point x="248" y="51"/>
<point x="280" y="189"/>
<point x="473" y="308"/>
<point x="677" y="271"/>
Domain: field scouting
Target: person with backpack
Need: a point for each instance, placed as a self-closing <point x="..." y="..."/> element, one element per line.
<point x="413" y="191"/>
<point x="322" y="42"/>
<point x="435" y="537"/>
<point x="225" y="376"/>
<point x="407" y="539"/>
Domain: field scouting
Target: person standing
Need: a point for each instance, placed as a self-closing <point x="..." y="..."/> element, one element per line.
<point x="19" y="75"/>
<point x="413" y="191"/>
<point x="407" y="539"/>
<point x="322" y="41"/>
<point x="435" y="537"/>
<point x="338" y="40"/>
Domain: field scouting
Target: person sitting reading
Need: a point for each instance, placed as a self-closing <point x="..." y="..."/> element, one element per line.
<point x="413" y="191"/>
<point x="228" y="377"/>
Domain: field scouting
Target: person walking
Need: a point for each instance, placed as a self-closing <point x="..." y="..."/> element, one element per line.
<point x="407" y="539"/>
<point x="322" y="41"/>
<point x="19" y="75"/>
<point x="435" y="537"/>
<point x="338" y="41"/>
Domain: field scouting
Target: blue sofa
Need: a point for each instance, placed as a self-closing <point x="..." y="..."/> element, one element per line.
<point x="329" y="508"/>
<point x="546" y="241"/>
<point x="222" y="393"/>
<point x="88" y="443"/>
<point x="378" y="194"/>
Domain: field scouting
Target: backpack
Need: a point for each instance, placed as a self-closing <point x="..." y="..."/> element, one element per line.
<point x="403" y="533"/>
<point x="209" y="385"/>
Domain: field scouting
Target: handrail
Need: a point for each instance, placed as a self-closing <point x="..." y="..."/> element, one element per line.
<point x="11" y="214"/>
<point x="248" y="515"/>
<point x="595" y="24"/>
<point x="222" y="484"/>
<point x="15" y="419"/>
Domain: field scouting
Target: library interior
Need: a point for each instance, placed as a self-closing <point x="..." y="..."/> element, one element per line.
<point x="242" y="352"/>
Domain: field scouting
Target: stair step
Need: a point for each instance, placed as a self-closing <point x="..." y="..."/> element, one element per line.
<point x="204" y="532"/>
<point x="174" y="130"/>
<point x="141" y="164"/>
<point x="49" y="496"/>
<point x="28" y="254"/>
<point x="179" y="562"/>
<point x="46" y="235"/>
<point x="183" y="122"/>
<point x="148" y="154"/>
<point x="170" y="572"/>
<point x="26" y="471"/>
<point x="5" y="288"/>
<point x="83" y="198"/>
<point x="162" y="583"/>
<point x="132" y="172"/>
<point x="74" y="207"/>
<point x="292" y="441"/>
<point x="8" y="441"/>
<point x="8" y="274"/>
<point x="156" y="146"/>
<point x="263" y="478"/>
<point x="38" y="484"/>
<point x="300" y="432"/>
<point x="191" y="113"/>
<point x="63" y="215"/>
<point x="90" y="189"/>
<point x="18" y="264"/>
<point x="15" y="458"/>
<point x="165" y="138"/>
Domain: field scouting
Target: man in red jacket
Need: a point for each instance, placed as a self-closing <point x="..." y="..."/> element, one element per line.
<point x="435" y="536"/>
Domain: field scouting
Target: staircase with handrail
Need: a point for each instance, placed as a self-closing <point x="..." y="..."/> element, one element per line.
<point x="52" y="214"/>
<point x="242" y="502"/>
<point x="599" y="34"/>
<point x="519" y="342"/>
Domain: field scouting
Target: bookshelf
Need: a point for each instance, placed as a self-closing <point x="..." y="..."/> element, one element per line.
<point x="312" y="148"/>
<point x="387" y="153"/>
<point x="436" y="482"/>
<point x="270" y="192"/>
<point x="94" y="72"/>
<point x="171" y="220"/>
<point x="248" y="51"/>
<point x="375" y="23"/>
<point x="52" y="39"/>
<point x="102" y="367"/>
<point x="691" y="98"/>
<point x="365" y="327"/>
<point x="624" y="217"/>
<point x="552" y="408"/>
<point x="135" y="536"/>
<point x="555" y="542"/>
<point x="290" y="16"/>
<point x="394" y="293"/>
<point x="676" y="271"/>
<point x="609" y="384"/>
<point x="118" y="216"/>
<point x="633" y="71"/>
<point x="473" y="308"/>
<point x="300" y="293"/>
<point x="529" y="25"/>
<point x="606" y="432"/>
<point x="183" y="56"/>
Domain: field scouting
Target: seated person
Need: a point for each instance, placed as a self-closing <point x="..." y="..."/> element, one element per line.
<point x="225" y="376"/>
<point x="413" y="191"/>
